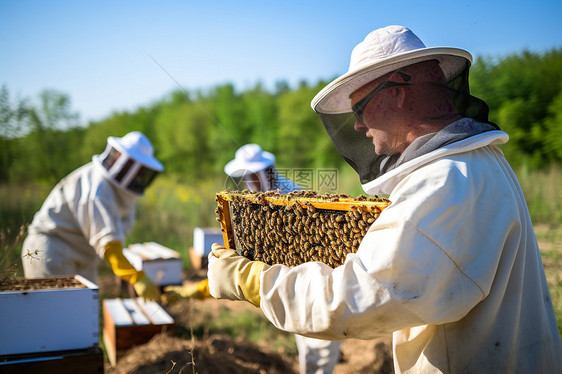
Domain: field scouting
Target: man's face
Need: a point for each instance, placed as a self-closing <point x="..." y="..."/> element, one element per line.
<point x="253" y="183"/>
<point x="378" y="117"/>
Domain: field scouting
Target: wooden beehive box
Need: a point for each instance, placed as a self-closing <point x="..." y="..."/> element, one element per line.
<point x="203" y="239"/>
<point x="130" y="322"/>
<point x="296" y="227"/>
<point x="48" y="314"/>
<point x="161" y="264"/>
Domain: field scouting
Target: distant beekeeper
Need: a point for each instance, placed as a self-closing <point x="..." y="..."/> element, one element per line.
<point x="254" y="169"/>
<point x="88" y="214"/>
<point x="451" y="269"/>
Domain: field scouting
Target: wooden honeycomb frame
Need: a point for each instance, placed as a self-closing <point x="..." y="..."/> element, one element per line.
<point x="297" y="227"/>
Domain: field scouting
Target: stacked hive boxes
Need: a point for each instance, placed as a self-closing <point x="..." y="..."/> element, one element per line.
<point x="50" y="325"/>
<point x="161" y="264"/>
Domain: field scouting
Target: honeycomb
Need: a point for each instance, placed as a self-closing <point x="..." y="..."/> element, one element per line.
<point x="297" y="227"/>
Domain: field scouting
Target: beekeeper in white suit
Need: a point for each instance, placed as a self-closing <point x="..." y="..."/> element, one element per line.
<point x="87" y="215"/>
<point x="254" y="169"/>
<point x="451" y="268"/>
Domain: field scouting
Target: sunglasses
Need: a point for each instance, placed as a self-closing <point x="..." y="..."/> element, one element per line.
<point x="359" y="106"/>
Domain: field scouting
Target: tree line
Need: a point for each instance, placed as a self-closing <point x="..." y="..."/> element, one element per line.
<point x="196" y="134"/>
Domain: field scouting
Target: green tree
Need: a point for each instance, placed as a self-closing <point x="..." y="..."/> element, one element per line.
<point x="260" y="117"/>
<point x="300" y="131"/>
<point x="12" y="119"/>
<point x="182" y="140"/>
<point x="47" y="149"/>
<point x="553" y="124"/>
<point x="519" y="90"/>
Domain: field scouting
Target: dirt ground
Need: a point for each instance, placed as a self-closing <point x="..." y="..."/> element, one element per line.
<point x="218" y="354"/>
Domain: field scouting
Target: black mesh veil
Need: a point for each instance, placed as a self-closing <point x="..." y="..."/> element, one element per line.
<point x="466" y="104"/>
<point x="358" y="150"/>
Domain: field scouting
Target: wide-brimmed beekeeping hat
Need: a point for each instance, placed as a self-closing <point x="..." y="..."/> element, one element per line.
<point x="250" y="158"/>
<point x="138" y="147"/>
<point x="129" y="162"/>
<point x="383" y="51"/>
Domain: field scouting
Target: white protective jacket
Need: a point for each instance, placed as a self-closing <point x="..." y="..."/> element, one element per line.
<point x="80" y="216"/>
<point x="451" y="268"/>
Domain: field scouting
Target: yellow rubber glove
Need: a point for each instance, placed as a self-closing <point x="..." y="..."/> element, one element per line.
<point x="146" y="289"/>
<point x="123" y="269"/>
<point x="119" y="263"/>
<point x="199" y="290"/>
<point x="234" y="277"/>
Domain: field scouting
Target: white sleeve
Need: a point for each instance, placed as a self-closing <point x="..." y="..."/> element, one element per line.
<point x="424" y="260"/>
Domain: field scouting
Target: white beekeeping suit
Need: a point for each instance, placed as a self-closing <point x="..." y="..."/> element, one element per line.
<point x="254" y="169"/>
<point x="89" y="213"/>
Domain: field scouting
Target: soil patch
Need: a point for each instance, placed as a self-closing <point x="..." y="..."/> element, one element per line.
<point x="215" y="355"/>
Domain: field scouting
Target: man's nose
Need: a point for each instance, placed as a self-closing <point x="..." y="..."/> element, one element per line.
<point x="359" y="126"/>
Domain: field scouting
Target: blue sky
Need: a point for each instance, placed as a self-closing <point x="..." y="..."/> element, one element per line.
<point x="117" y="55"/>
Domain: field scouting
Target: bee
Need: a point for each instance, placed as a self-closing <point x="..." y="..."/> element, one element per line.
<point x="334" y="257"/>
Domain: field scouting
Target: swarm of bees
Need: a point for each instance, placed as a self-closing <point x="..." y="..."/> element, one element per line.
<point x="298" y="227"/>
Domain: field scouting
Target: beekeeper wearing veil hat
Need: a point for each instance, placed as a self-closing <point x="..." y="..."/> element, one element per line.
<point x="254" y="169"/>
<point x="87" y="215"/>
<point x="451" y="269"/>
